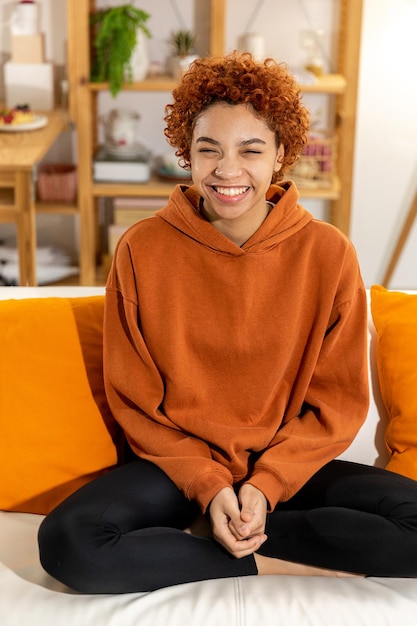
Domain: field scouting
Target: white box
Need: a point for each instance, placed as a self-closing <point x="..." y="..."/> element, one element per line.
<point x="109" y="169"/>
<point x="30" y="83"/>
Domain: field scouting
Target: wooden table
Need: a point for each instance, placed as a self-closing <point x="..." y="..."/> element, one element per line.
<point x="19" y="154"/>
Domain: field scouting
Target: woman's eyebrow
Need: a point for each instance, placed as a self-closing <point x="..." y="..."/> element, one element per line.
<point x="247" y="142"/>
<point x="207" y="140"/>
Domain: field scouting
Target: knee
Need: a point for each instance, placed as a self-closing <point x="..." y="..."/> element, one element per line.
<point x="65" y="540"/>
<point x="54" y="539"/>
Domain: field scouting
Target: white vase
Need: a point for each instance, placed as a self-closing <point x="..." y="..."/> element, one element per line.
<point x="253" y="43"/>
<point x="139" y="61"/>
<point x="179" y="65"/>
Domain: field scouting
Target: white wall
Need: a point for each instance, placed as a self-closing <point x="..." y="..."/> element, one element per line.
<point x="385" y="177"/>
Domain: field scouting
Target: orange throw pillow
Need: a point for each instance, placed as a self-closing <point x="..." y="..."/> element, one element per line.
<point x="56" y="429"/>
<point x="395" y="319"/>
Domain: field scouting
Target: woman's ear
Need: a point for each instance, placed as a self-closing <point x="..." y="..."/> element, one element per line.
<point x="279" y="158"/>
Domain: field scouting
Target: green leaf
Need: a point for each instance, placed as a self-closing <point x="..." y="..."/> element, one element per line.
<point x="114" y="42"/>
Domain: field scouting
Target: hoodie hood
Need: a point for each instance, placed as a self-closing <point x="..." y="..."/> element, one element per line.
<point x="286" y="218"/>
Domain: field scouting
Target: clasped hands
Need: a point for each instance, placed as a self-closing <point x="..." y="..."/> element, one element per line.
<point x="238" y="521"/>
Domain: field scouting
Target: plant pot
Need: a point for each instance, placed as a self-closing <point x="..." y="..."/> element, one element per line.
<point x="139" y="61"/>
<point x="179" y="65"/>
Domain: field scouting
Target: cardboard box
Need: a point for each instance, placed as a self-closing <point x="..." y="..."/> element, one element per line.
<point x="28" y="48"/>
<point x="30" y="83"/>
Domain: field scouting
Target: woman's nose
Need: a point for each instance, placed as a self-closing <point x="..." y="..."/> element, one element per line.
<point x="227" y="168"/>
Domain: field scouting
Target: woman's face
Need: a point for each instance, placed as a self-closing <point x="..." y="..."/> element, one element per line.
<point x="233" y="157"/>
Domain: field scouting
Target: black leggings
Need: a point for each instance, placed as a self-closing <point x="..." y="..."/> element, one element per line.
<point x="123" y="532"/>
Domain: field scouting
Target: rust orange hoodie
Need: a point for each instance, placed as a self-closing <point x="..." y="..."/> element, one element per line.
<point x="226" y="364"/>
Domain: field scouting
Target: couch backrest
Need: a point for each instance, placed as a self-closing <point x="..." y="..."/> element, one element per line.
<point x="368" y="447"/>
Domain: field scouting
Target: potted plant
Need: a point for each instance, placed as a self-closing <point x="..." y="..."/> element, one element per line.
<point x="117" y="31"/>
<point x="182" y="43"/>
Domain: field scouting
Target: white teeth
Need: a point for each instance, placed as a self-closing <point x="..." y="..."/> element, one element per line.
<point x="231" y="191"/>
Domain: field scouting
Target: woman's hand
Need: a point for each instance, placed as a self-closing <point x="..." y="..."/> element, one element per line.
<point x="238" y="525"/>
<point x="253" y="508"/>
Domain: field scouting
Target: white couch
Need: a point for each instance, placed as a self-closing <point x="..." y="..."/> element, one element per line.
<point x="29" y="597"/>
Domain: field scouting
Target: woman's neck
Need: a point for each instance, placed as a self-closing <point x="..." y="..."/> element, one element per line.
<point x="238" y="230"/>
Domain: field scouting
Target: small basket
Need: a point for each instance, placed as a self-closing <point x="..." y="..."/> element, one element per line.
<point x="57" y="182"/>
<point x="316" y="166"/>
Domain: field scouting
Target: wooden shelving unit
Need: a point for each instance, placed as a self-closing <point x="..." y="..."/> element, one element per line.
<point x="83" y="111"/>
<point x="350" y="26"/>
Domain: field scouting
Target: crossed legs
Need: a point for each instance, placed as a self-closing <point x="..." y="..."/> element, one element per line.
<point x="124" y="532"/>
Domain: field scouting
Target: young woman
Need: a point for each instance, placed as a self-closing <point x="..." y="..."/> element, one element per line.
<point x="235" y="362"/>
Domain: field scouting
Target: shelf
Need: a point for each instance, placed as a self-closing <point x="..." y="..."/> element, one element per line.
<point x="157" y="83"/>
<point x="56" y="207"/>
<point x="154" y="188"/>
<point x="331" y="192"/>
<point x="328" y="83"/>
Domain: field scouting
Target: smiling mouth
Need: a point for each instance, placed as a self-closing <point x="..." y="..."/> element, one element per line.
<point x="230" y="191"/>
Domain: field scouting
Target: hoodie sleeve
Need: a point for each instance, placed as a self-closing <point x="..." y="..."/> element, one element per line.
<point x="334" y="408"/>
<point x="135" y="392"/>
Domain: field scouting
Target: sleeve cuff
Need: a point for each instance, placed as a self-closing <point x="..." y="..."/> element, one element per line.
<point x="206" y="486"/>
<point x="273" y="488"/>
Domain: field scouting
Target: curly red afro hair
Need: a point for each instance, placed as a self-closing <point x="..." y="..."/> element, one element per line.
<point x="238" y="79"/>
